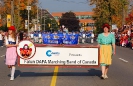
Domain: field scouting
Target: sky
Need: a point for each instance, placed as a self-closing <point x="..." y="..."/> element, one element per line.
<point x="65" y="5"/>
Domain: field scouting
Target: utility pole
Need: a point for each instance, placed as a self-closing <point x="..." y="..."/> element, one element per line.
<point x="44" y="22"/>
<point x="18" y="23"/>
<point x="12" y="12"/>
<point x="41" y="17"/>
<point x="37" y="14"/>
<point x="28" y="8"/>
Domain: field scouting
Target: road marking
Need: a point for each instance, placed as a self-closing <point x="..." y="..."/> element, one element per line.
<point x="2" y="56"/>
<point x="53" y="82"/>
<point x="123" y="60"/>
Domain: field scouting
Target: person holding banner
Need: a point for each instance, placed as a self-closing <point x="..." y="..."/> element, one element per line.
<point x="45" y="38"/>
<point x="55" y="38"/>
<point x="106" y="41"/>
<point x="65" y="38"/>
<point x="60" y="39"/>
<point x="49" y="37"/>
<point x="11" y="42"/>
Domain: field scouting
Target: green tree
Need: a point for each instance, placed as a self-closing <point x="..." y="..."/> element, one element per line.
<point x="109" y="11"/>
<point x="50" y="24"/>
<point x="70" y="21"/>
<point x="20" y="12"/>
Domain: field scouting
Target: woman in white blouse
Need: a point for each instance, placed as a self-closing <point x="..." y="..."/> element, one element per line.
<point x="11" y="42"/>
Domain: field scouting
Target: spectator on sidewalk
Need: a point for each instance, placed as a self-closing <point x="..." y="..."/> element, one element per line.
<point x="1" y="39"/>
<point x="21" y="35"/>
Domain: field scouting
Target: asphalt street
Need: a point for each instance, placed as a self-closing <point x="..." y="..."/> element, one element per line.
<point x="120" y="73"/>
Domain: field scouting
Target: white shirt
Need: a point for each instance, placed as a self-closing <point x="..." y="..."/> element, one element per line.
<point x="92" y="35"/>
<point x="10" y="39"/>
<point x="129" y="32"/>
<point x="83" y="35"/>
<point x="40" y="35"/>
<point x="0" y="36"/>
<point x="31" y="35"/>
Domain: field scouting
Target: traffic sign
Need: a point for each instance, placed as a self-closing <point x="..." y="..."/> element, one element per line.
<point x="28" y="7"/>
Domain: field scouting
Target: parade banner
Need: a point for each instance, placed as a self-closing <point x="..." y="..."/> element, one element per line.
<point x="8" y="20"/>
<point x="48" y="55"/>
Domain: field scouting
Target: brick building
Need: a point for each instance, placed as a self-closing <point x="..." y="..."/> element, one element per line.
<point x="85" y="18"/>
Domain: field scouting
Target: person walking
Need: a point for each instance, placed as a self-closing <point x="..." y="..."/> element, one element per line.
<point x="21" y="35"/>
<point x="106" y="41"/>
<point x="1" y="39"/>
<point x="11" y="42"/>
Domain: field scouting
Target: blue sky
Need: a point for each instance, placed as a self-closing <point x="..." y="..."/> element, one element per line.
<point x="65" y="5"/>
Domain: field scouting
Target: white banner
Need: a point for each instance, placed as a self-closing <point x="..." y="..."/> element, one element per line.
<point x="57" y="56"/>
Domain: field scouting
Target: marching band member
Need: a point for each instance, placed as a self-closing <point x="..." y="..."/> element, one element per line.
<point x="60" y="39"/>
<point x="40" y="37"/>
<point x="92" y="37"/>
<point x="45" y="38"/>
<point x="106" y="41"/>
<point x="55" y="38"/>
<point x="49" y="37"/>
<point x="32" y="36"/>
<point x="11" y="42"/>
<point x="65" y="38"/>
<point x="83" y="37"/>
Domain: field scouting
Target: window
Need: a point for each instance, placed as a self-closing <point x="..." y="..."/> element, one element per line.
<point x="90" y="24"/>
<point x="82" y="17"/>
<point x="56" y="17"/>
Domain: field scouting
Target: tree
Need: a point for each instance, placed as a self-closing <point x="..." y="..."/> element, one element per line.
<point x="50" y="24"/>
<point x="70" y="21"/>
<point x="129" y="18"/>
<point x="20" y="12"/>
<point x="109" y="11"/>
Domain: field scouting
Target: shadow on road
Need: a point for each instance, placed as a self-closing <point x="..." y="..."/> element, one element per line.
<point x="91" y="72"/>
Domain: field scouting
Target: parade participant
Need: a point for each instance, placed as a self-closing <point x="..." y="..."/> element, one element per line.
<point x="88" y="37"/>
<point x="73" y="38"/>
<point x="45" y="38"/>
<point x="77" y="37"/>
<point x="21" y="36"/>
<point x="83" y="37"/>
<point x="69" y="37"/>
<point x="92" y="37"/>
<point x="40" y="37"/>
<point x="35" y="36"/>
<point x="49" y="37"/>
<point x="32" y="36"/>
<point x="60" y="39"/>
<point x="11" y="41"/>
<point x="106" y="40"/>
<point x="55" y="38"/>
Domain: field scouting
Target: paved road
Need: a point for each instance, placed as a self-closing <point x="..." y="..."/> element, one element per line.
<point x="120" y="73"/>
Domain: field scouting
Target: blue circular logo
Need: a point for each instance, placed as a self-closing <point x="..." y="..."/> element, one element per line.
<point x="48" y="53"/>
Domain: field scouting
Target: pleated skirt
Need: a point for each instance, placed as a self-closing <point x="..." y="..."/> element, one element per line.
<point x="11" y="56"/>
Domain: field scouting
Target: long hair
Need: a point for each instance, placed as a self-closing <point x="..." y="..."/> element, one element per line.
<point x="13" y="35"/>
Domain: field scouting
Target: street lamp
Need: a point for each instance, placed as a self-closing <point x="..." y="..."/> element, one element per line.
<point x="12" y="12"/>
<point x="28" y="8"/>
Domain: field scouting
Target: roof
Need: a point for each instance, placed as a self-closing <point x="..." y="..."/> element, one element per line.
<point x="77" y="13"/>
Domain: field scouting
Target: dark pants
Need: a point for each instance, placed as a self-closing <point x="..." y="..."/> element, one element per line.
<point x="1" y="42"/>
